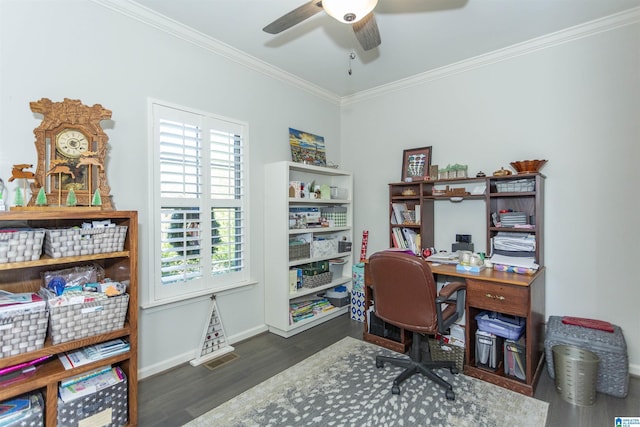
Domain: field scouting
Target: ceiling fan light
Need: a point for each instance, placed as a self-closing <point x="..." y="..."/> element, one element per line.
<point x="348" y="11"/>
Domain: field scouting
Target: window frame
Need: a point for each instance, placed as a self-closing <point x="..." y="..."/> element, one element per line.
<point x="158" y="293"/>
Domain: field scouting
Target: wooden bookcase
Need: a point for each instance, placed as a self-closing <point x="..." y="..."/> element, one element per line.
<point x="26" y="277"/>
<point x="501" y="193"/>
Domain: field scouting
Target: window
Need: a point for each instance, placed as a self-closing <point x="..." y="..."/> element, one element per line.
<point x="199" y="205"/>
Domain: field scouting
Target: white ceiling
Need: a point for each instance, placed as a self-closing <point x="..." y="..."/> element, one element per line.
<point x="417" y="35"/>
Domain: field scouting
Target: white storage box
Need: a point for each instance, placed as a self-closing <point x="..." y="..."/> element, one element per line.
<point x="324" y="248"/>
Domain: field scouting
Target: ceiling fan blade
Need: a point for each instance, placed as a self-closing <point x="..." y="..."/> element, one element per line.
<point x="294" y="17"/>
<point x="367" y="32"/>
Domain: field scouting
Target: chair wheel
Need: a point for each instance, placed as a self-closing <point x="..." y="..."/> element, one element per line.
<point x="379" y="364"/>
<point x="450" y="395"/>
<point x="395" y="389"/>
<point x="454" y="370"/>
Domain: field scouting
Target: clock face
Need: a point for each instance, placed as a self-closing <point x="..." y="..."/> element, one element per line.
<point x="71" y="143"/>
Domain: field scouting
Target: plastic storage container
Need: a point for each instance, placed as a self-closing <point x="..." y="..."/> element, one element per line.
<point x="515" y="360"/>
<point x="488" y="350"/>
<point x="501" y="325"/>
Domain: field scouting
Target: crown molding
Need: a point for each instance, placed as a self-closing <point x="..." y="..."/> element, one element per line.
<point x="149" y="17"/>
<point x="611" y="22"/>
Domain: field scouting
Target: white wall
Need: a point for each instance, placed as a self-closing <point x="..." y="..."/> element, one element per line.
<point x="81" y="50"/>
<point x="576" y="104"/>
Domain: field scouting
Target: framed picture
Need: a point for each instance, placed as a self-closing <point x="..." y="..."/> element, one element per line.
<point x="416" y="163"/>
<point x="307" y="148"/>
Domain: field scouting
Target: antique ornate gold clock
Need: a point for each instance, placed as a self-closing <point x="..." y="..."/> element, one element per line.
<point x="72" y="149"/>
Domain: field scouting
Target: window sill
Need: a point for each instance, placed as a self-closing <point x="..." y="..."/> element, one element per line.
<point x="184" y="299"/>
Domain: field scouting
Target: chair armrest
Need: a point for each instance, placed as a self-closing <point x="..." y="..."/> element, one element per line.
<point x="448" y="317"/>
<point x="450" y="288"/>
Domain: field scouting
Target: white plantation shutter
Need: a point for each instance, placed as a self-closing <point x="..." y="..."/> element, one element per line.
<point x="199" y="183"/>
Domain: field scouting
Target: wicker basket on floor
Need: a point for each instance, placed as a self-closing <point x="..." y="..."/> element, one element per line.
<point x="443" y="351"/>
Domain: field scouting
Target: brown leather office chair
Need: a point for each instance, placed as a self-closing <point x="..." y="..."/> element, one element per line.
<point x="405" y="295"/>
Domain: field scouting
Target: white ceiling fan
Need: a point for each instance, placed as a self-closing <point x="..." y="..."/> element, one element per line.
<point x="358" y="13"/>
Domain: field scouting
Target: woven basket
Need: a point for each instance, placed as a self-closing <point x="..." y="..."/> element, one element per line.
<point x="65" y="242"/>
<point x="448" y="352"/>
<point x="299" y="250"/>
<point x="21" y="245"/>
<point x="22" y="331"/>
<point x="75" y="321"/>
<point x="317" y="280"/>
<point x="516" y="186"/>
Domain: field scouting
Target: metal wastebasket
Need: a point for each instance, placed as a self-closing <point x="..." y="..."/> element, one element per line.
<point x="576" y="374"/>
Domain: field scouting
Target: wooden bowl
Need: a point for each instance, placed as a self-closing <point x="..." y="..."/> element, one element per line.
<point x="528" y="166"/>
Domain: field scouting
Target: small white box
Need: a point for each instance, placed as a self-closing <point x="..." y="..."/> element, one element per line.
<point x="457" y="332"/>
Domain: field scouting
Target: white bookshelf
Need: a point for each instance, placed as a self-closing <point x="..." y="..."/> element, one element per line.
<point x="277" y="235"/>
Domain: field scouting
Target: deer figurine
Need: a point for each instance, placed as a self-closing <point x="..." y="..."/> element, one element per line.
<point x="60" y="167"/>
<point x="17" y="172"/>
<point x="87" y="159"/>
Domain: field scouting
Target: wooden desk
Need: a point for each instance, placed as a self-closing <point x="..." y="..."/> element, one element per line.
<point x="509" y="293"/>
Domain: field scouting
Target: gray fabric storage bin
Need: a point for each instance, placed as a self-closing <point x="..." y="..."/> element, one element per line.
<point x="106" y="407"/>
<point x="610" y="347"/>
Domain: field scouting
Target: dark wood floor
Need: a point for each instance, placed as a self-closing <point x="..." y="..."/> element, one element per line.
<point x="186" y="392"/>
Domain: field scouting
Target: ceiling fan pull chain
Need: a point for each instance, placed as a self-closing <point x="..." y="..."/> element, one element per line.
<point x="352" y="56"/>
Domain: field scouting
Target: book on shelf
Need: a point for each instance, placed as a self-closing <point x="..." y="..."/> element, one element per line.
<point x="11" y="411"/>
<point x="91" y="385"/>
<point x="84" y="376"/>
<point x="93" y="353"/>
<point x="308" y="308"/>
<point x="412" y="240"/>
<point x="394" y="240"/>
<point x="399" y="238"/>
<point x="399" y="209"/>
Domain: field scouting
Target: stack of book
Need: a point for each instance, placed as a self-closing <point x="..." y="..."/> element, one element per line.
<point x="89" y="383"/>
<point x="10" y="302"/>
<point x="93" y="353"/>
<point x="305" y="309"/>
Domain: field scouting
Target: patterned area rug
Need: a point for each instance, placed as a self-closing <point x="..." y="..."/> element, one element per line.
<point x="341" y="386"/>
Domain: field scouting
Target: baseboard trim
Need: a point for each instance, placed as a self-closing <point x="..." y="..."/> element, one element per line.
<point x="183" y="358"/>
<point x="247" y="334"/>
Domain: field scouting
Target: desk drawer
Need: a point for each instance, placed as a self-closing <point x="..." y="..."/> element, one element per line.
<point x="497" y="297"/>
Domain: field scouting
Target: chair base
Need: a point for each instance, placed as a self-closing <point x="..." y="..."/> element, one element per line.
<point x="415" y="365"/>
